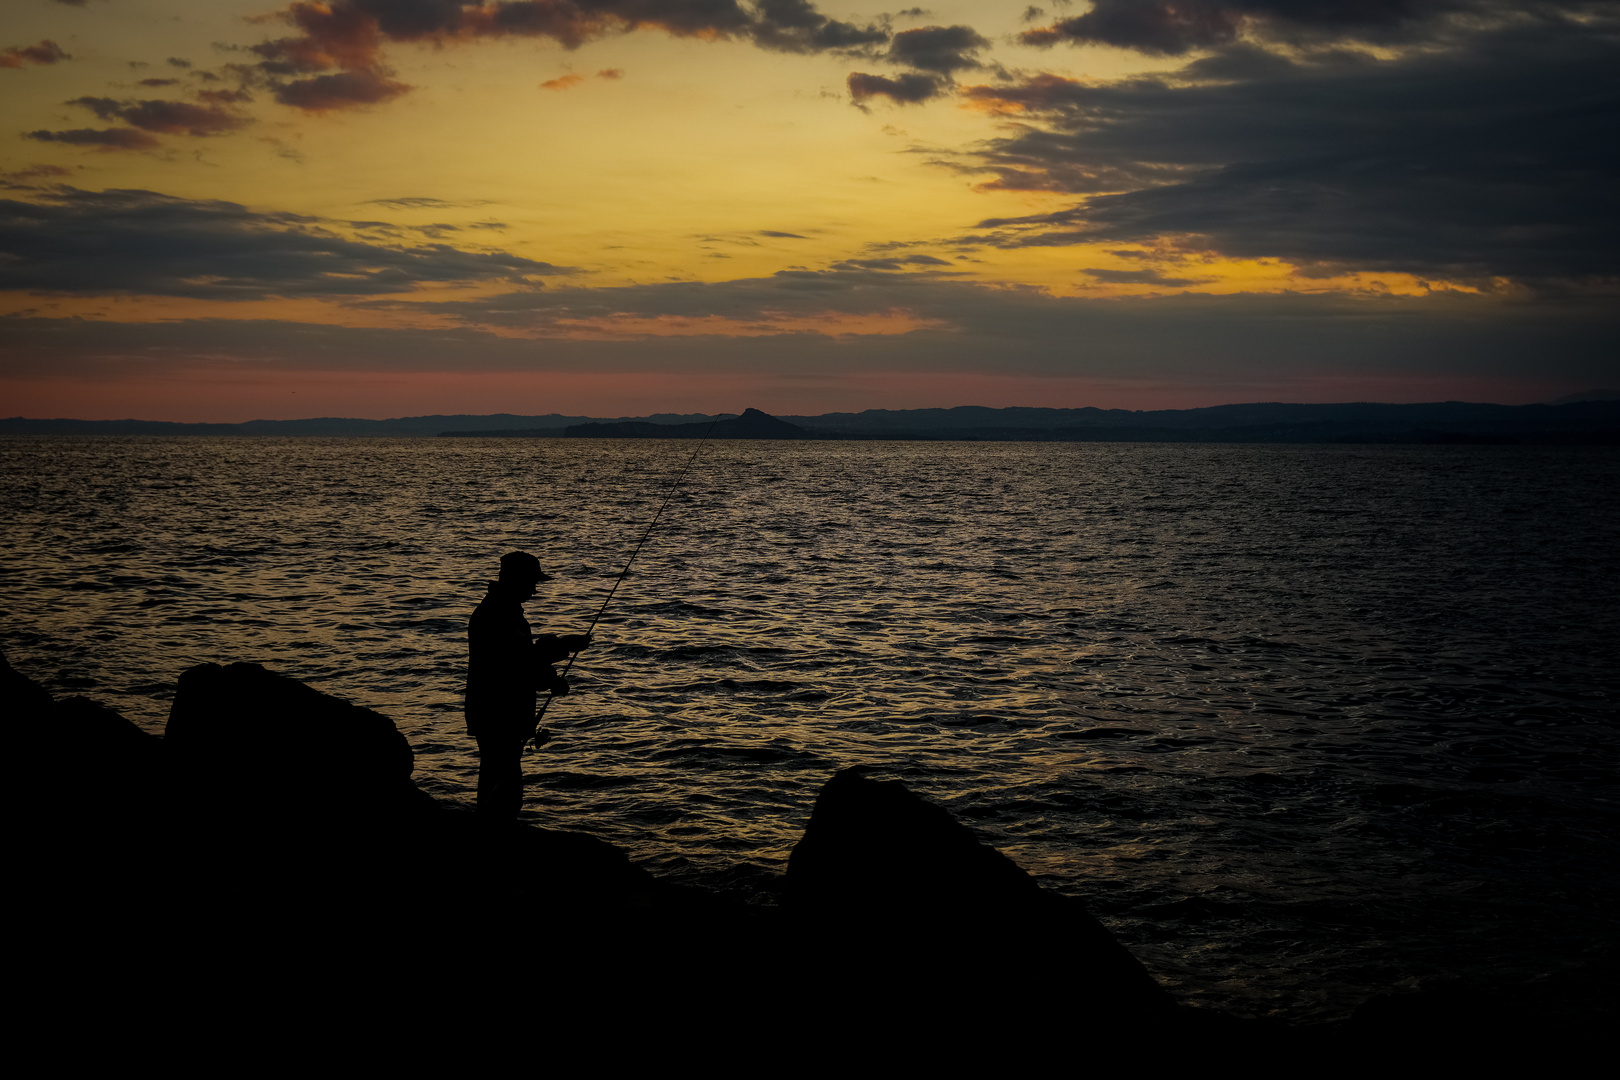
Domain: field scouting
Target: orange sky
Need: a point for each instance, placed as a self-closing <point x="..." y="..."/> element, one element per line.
<point x="229" y="210"/>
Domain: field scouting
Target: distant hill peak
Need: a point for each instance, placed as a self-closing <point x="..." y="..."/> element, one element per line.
<point x="1588" y="418"/>
<point x="752" y="424"/>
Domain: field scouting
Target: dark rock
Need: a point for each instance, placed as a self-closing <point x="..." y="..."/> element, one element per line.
<point x="90" y="763"/>
<point x="881" y="873"/>
<point x="26" y="701"/>
<point x="335" y="843"/>
<point x="522" y="877"/>
<point x="112" y="779"/>
<point x="872" y="844"/>
<point x="899" y="931"/>
<point x="91" y="818"/>
<point x="91" y="729"/>
<point x="230" y="729"/>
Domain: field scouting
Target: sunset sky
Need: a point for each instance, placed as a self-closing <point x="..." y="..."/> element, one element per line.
<point x="228" y="209"/>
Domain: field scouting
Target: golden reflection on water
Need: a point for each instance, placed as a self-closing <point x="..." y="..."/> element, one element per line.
<point x="1245" y="679"/>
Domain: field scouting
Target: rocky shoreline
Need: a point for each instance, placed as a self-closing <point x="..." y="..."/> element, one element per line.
<point x="243" y="862"/>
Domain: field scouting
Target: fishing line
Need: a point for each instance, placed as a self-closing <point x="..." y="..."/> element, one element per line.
<point x="670" y="494"/>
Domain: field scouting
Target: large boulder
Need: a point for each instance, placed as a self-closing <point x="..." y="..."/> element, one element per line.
<point x="90" y="819"/>
<point x="302" y="803"/>
<point x="91" y="729"/>
<point x="25" y="700"/>
<point x="259" y="744"/>
<point x="885" y="875"/>
<point x="87" y="765"/>
<point x="871" y="845"/>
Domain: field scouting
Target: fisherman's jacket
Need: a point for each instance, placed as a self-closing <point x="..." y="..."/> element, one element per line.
<point x="504" y="666"/>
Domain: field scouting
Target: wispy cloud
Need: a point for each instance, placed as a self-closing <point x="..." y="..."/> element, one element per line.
<point x="46" y="52"/>
<point x="141" y="242"/>
<point x="106" y="139"/>
<point x="335" y="59"/>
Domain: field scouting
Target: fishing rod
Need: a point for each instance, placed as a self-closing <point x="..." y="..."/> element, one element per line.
<point x="539" y="736"/>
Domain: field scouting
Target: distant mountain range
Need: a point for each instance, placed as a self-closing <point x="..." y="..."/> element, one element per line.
<point x="1589" y="419"/>
<point x="752" y="424"/>
<point x="326" y="425"/>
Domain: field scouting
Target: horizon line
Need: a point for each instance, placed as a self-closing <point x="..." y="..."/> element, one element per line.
<point x="1575" y="398"/>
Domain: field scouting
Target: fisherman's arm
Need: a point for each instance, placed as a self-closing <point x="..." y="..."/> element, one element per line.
<point x="553" y="648"/>
<point x="548" y="650"/>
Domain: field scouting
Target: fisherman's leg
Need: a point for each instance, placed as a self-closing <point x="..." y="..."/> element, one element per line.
<point x="500" y="777"/>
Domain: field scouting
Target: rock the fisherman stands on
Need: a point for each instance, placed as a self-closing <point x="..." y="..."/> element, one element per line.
<point x="279" y="835"/>
<point x="344" y="804"/>
<point x="271" y="865"/>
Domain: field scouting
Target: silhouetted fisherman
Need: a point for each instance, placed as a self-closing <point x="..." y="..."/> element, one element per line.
<point x="505" y="669"/>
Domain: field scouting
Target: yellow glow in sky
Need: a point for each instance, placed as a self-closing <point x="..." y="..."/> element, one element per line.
<point x="705" y="176"/>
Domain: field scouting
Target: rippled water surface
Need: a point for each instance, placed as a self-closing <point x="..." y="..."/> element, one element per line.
<point x="1301" y="724"/>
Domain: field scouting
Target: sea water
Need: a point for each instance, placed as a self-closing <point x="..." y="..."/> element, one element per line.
<point x="1301" y="724"/>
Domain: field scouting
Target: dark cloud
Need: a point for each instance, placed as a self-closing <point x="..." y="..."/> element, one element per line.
<point x="1176" y="27"/>
<point x="101" y="139"/>
<point x="335" y="58"/>
<point x="103" y="107"/>
<point x="343" y="90"/>
<point x="177" y="61"/>
<point x="796" y="26"/>
<point x="160" y="82"/>
<point x="941" y="49"/>
<point x="849" y="288"/>
<point x="46" y="52"/>
<point x="895" y="263"/>
<point x="934" y="52"/>
<point x="907" y="88"/>
<point x="413" y="202"/>
<point x="1249" y="347"/>
<point x="438" y="230"/>
<point x="34" y="172"/>
<point x="782" y="235"/>
<point x="1497" y="157"/>
<point x="1173" y="27"/>
<point x="168" y="117"/>
<point x="1141" y="277"/>
<point x="1242" y="63"/>
<point x="142" y="242"/>
<point x="224" y="97"/>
